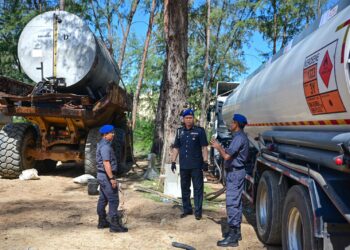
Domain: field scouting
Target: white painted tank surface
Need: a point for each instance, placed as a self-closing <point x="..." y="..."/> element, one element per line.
<point x="305" y="86"/>
<point x="81" y="59"/>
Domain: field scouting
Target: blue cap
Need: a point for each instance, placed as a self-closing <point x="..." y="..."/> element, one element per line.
<point x="187" y="112"/>
<point x="105" y="129"/>
<point x="240" y="118"/>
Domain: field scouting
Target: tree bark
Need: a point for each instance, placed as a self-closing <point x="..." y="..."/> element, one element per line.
<point x="158" y="134"/>
<point x="204" y="103"/>
<point x="109" y="28"/>
<point x="274" y="6"/>
<point x="126" y="34"/>
<point x="318" y="8"/>
<point x="176" y="29"/>
<point x="143" y="62"/>
<point x="97" y="23"/>
<point x="61" y="4"/>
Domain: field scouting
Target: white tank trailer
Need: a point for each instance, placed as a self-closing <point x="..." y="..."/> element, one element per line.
<point x="77" y="90"/>
<point x="298" y="108"/>
<point x="58" y="44"/>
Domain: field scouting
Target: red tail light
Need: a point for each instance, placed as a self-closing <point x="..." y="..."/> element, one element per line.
<point x="338" y="161"/>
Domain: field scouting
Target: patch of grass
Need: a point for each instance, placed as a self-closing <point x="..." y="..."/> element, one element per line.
<point x="208" y="189"/>
<point x="153" y="197"/>
<point x="154" y="185"/>
<point x="143" y="136"/>
<point x="213" y="205"/>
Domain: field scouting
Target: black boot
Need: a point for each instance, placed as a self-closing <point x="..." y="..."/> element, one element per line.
<point x="230" y="241"/>
<point x="102" y="222"/>
<point x="238" y="233"/>
<point x="116" y="225"/>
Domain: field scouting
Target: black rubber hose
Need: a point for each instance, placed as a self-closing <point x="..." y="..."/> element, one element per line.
<point x="181" y="245"/>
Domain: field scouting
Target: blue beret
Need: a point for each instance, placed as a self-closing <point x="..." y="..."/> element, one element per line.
<point x="187" y="112"/>
<point x="240" y="118"/>
<point x="106" y="129"/>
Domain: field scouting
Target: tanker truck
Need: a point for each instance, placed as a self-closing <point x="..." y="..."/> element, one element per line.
<point x="298" y="110"/>
<point x="76" y="90"/>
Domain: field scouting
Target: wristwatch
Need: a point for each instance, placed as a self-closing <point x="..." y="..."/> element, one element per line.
<point x="112" y="178"/>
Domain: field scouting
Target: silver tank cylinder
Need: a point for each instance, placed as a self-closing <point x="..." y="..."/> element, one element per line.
<point x="64" y="47"/>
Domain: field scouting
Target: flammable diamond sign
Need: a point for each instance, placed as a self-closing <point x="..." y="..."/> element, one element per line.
<point x="326" y="69"/>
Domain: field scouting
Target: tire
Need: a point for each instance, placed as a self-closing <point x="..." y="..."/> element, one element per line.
<point x="92" y="139"/>
<point x="269" y="207"/>
<point x="15" y="138"/>
<point x="297" y="226"/>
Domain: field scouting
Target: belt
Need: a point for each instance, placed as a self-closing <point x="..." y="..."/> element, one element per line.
<point x="231" y="169"/>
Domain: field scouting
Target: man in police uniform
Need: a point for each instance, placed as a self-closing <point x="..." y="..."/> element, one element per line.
<point x="191" y="144"/>
<point x="236" y="157"/>
<point x="106" y="170"/>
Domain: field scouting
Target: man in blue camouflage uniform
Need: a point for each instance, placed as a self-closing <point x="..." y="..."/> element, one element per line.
<point x="106" y="170"/>
<point x="191" y="144"/>
<point x="236" y="157"/>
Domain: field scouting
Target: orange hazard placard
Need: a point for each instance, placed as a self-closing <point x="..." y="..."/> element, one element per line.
<point x="315" y="105"/>
<point x="310" y="73"/>
<point x="311" y="88"/>
<point x="332" y="102"/>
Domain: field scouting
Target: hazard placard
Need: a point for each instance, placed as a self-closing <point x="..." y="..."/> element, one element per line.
<point x="326" y="69"/>
<point x="319" y="82"/>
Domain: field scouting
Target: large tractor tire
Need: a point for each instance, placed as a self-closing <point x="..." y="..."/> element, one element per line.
<point x="297" y="226"/>
<point x="15" y="139"/>
<point x="90" y="151"/>
<point x="269" y="207"/>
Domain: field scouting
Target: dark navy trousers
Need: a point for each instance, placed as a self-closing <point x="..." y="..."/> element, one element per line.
<point x="108" y="195"/>
<point x="196" y="175"/>
<point x="234" y="190"/>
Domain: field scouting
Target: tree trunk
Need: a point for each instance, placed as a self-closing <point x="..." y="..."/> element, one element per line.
<point x="97" y="23"/>
<point x="204" y="103"/>
<point x="158" y="134"/>
<point x="274" y="6"/>
<point x="61" y="4"/>
<point x="143" y="62"/>
<point x="175" y="27"/>
<point x="109" y="28"/>
<point x="284" y="35"/>
<point x="318" y="8"/>
<point x="126" y="34"/>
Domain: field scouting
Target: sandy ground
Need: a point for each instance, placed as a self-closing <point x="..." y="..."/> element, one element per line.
<point x="55" y="213"/>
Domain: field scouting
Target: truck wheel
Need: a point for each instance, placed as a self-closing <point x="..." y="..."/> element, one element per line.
<point x="297" y="228"/>
<point x="15" y="139"/>
<point x="92" y="139"/>
<point x="269" y="207"/>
